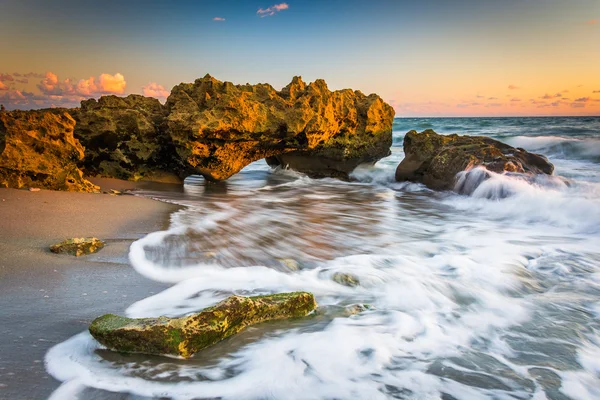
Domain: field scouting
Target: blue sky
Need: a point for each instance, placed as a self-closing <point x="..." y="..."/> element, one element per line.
<point x="436" y="57"/>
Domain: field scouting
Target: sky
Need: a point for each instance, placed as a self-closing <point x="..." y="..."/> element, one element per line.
<point x="426" y="58"/>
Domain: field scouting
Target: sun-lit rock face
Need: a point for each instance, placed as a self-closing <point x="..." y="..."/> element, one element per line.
<point x="435" y="159"/>
<point x="187" y="335"/>
<point x="218" y="128"/>
<point x="38" y="150"/>
<point x="208" y="127"/>
<point x="125" y="138"/>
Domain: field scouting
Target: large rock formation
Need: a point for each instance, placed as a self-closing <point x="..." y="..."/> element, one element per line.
<point x="435" y="159"/>
<point x="38" y="150"/>
<point x="187" y="335"/>
<point x="126" y="138"/>
<point x="218" y="128"/>
<point x="208" y="127"/>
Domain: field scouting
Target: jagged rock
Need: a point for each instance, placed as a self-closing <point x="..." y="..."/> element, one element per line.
<point x="78" y="246"/>
<point x="187" y="335"/>
<point x="346" y="279"/>
<point x="218" y="128"/>
<point x="38" y="150"/>
<point x="126" y="138"/>
<point x="435" y="159"/>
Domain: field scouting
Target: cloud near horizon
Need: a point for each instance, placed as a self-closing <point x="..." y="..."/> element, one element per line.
<point x="218" y="19"/>
<point x="54" y="92"/>
<point x="270" y="11"/>
<point x="153" y="89"/>
<point x="592" y="22"/>
<point x="104" y="84"/>
<point x="513" y="87"/>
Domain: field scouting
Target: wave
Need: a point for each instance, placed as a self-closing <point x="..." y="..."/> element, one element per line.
<point x="528" y="199"/>
<point x="559" y="146"/>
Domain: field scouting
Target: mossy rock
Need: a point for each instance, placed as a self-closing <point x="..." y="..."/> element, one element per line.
<point x="78" y="246"/>
<point x="346" y="279"/>
<point x="187" y="335"/>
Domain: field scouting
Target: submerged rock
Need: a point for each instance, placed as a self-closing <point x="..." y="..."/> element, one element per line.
<point x="435" y="159"/>
<point x="354" y="309"/>
<point x="78" y="246"/>
<point x="187" y="335"/>
<point x="38" y="150"/>
<point x="218" y="128"/>
<point x="126" y="138"/>
<point x="346" y="279"/>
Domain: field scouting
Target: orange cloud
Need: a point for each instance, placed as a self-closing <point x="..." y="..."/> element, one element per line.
<point x="218" y="19"/>
<point x="515" y="99"/>
<point x="3" y="86"/>
<point x="6" y="77"/>
<point x="153" y="89"/>
<point x="267" y="12"/>
<point x="104" y="84"/>
<point x="54" y="92"/>
<point x="592" y="22"/>
<point x="513" y="87"/>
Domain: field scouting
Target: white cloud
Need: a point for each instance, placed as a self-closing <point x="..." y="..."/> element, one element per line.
<point x="267" y="12"/>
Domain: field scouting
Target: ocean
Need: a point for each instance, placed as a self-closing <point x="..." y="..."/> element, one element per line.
<point x="495" y="295"/>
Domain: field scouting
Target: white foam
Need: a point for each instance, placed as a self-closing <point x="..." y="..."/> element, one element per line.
<point x="446" y="278"/>
<point x="560" y="147"/>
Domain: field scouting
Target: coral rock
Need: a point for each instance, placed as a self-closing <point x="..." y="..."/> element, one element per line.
<point x="125" y="138"/>
<point x="218" y="128"/>
<point x="435" y="159"/>
<point x="187" y="335"/>
<point x="38" y="150"/>
<point x="78" y="246"/>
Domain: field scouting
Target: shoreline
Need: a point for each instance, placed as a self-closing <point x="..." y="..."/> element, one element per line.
<point x="46" y="298"/>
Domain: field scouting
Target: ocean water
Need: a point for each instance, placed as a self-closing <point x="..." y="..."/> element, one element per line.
<point x="494" y="295"/>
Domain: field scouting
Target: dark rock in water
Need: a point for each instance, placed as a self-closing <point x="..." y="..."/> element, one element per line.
<point x="218" y="128"/>
<point x="187" y="335"/>
<point x="78" y="246"/>
<point x="38" y="150"/>
<point x="126" y="138"/>
<point x="435" y="160"/>
<point x="346" y="279"/>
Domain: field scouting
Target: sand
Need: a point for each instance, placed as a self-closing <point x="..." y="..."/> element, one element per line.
<point x="46" y="298"/>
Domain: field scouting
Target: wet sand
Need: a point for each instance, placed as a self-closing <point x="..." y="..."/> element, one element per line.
<point x="46" y="298"/>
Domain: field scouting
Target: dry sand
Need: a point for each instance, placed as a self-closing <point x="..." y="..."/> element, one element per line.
<point x="46" y="298"/>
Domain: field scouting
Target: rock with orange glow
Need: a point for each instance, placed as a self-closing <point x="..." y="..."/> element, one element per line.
<point x="38" y="150"/>
<point x="217" y="128"/>
<point x="126" y="138"/>
<point x="435" y="159"/>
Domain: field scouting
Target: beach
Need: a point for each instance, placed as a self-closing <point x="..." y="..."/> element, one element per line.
<point x="46" y="298"/>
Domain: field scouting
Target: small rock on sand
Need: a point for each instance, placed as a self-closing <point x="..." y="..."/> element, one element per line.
<point x="78" y="246"/>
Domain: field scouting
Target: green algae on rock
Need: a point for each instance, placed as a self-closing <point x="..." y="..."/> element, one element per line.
<point x="346" y="279"/>
<point x="187" y="335"/>
<point x="78" y="246"/>
<point x="126" y="138"/>
<point x="434" y="159"/>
